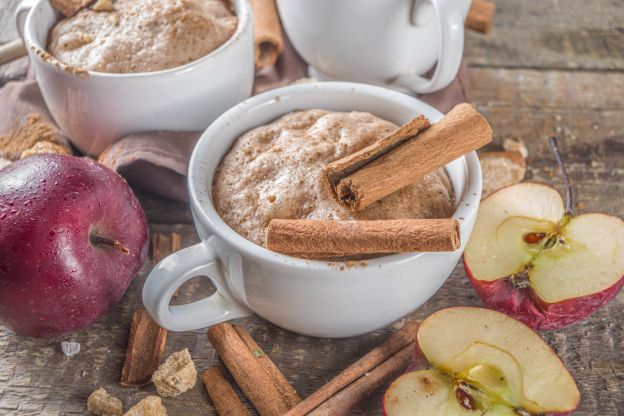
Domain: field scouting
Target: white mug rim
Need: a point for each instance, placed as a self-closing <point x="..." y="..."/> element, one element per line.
<point x="467" y="203"/>
<point x="244" y="19"/>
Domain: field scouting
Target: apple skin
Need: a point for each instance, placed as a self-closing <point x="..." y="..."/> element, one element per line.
<point x="53" y="280"/>
<point x="527" y="307"/>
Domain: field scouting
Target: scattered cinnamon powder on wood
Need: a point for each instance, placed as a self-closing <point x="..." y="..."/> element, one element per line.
<point x="26" y="135"/>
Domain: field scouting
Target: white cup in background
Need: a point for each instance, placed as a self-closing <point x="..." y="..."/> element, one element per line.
<point x="97" y="110"/>
<point x="383" y="42"/>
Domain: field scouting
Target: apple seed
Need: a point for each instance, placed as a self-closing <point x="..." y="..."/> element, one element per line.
<point x="463" y="397"/>
<point x="534" y="238"/>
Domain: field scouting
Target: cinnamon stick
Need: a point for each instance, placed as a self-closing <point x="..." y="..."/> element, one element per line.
<point x="341" y="168"/>
<point x="163" y="245"/>
<point x="222" y="394"/>
<point x="398" y="341"/>
<point x="147" y="339"/>
<point x="462" y="130"/>
<point x="253" y="371"/>
<point x="342" y="403"/>
<point x="362" y="237"/>
<point x="145" y="346"/>
<point x="287" y="392"/>
<point x="267" y="32"/>
<point x="480" y="16"/>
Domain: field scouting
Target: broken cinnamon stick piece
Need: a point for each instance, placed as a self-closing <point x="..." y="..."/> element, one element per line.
<point x="397" y="342"/>
<point x="342" y="403"/>
<point x="145" y="347"/>
<point x="362" y="237"/>
<point x="248" y="365"/>
<point x="267" y="32"/>
<point x="344" y="167"/>
<point x="460" y="131"/>
<point x="480" y="16"/>
<point x="222" y="394"/>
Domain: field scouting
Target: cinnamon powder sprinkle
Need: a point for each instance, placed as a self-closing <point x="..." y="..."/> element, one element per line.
<point x="26" y="136"/>
<point x="47" y="58"/>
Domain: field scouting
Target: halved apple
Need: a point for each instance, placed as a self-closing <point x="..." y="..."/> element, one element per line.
<point x="484" y="363"/>
<point x="529" y="257"/>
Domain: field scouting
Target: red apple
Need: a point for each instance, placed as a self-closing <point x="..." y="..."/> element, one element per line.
<point x="530" y="258"/>
<point x="72" y="236"/>
<point x="482" y="363"/>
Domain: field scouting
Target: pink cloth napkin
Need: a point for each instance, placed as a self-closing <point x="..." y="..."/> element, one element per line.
<point x="157" y="161"/>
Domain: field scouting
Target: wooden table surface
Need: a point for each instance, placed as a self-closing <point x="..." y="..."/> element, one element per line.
<point x="548" y="67"/>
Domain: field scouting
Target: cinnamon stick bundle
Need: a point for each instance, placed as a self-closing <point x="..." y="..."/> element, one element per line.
<point x="222" y="394"/>
<point x="341" y="168"/>
<point x="316" y="237"/>
<point x="480" y="16"/>
<point x="343" y="391"/>
<point x="145" y="346"/>
<point x="267" y="32"/>
<point x="361" y="179"/>
<point x="259" y="379"/>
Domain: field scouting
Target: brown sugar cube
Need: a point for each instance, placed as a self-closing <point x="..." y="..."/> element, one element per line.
<point x="501" y="169"/>
<point x="103" y="404"/>
<point x="176" y="375"/>
<point x="149" y="406"/>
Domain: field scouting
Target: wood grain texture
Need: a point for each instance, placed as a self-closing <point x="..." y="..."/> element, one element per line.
<point x="551" y="34"/>
<point x="548" y="67"/>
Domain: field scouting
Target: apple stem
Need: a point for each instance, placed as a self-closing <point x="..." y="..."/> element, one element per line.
<point x="566" y="179"/>
<point x="99" y="240"/>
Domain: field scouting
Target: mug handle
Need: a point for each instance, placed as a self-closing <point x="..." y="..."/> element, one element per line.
<point x="20" y="15"/>
<point x="451" y="41"/>
<point x="172" y="272"/>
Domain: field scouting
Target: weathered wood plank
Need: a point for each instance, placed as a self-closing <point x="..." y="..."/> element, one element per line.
<point x="583" y="109"/>
<point x="563" y="34"/>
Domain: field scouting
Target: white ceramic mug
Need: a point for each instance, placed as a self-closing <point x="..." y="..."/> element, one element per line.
<point x="384" y="42"/>
<point x="97" y="110"/>
<point x="315" y="298"/>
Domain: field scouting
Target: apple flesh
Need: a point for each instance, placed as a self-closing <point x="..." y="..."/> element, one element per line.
<point x="530" y="259"/>
<point x="72" y="236"/>
<point x="483" y="363"/>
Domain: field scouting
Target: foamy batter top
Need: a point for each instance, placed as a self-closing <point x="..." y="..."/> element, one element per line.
<point x="142" y="35"/>
<point x="274" y="171"/>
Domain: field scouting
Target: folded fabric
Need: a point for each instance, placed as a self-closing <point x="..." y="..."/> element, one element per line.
<point x="157" y="161"/>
